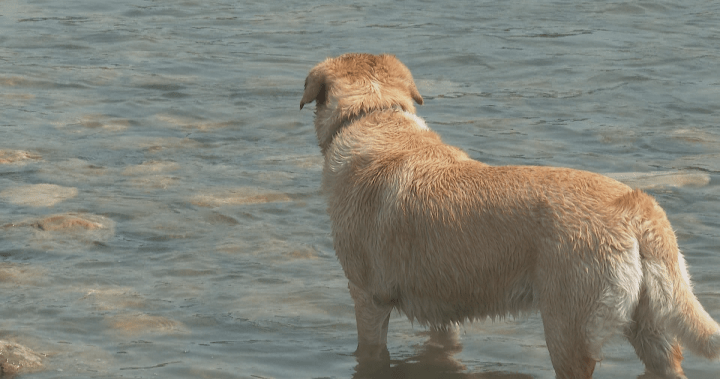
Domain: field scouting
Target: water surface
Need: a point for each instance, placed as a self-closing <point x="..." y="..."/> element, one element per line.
<point x="160" y="213"/>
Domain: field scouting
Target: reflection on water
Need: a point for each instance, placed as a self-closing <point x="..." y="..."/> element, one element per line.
<point x="160" y="212"/>
<point x="434" y="359"/>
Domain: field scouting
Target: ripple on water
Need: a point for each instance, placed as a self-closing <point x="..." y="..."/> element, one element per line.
<point x="38" y="195"/>
<point x="141" y="323"/>
<point x="175" y="125"/>
<point x="302" y="252"/>
<point x="154" y="182"/>
<point x="161" y="143"/>
<point x="703" y="162"/>
<point x="107" y="299"/>
<point x="22" y="274"/>
<point x="16" y="99"/>
<point x="17" y="157"/>
<point x="151" y="167"/>
<point x="238" y="196"/>
<point x="150" y="175"/>
<point x="75" y="172"/>
<point x="661" y="179"/>
<point x="194" y="122"/>
<point x="95" y="121"/>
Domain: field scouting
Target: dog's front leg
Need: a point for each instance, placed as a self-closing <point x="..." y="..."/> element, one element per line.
<point x="372" y="320"/>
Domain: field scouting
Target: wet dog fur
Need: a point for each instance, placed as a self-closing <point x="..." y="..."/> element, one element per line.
<point x="420" y="227"/>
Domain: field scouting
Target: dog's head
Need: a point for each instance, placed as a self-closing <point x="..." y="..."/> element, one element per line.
<point x="353" y="84"/>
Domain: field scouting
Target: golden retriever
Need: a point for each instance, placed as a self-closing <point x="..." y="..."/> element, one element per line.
<point x="421" y="227"/>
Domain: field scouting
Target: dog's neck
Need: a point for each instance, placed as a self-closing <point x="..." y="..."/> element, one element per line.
<point x="337" y="124"/>
<point x="347" y="120"/>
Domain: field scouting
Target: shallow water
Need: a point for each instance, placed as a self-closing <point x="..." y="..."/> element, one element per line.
<point x="160" y="213"/>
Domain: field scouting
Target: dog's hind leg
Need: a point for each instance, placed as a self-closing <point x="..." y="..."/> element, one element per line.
<point x="653" y="343"/>
<point x="569" y="352"/>
<point x="567" y="313"/>
<point x="372" y="318"/>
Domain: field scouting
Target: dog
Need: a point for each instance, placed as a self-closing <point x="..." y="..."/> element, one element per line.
<point x="420" y="227"/>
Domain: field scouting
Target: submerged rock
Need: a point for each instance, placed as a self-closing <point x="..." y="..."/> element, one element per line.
<point x="57" y="230"/>
<point x="70" y="221"/>
<point x="15" y="358"/>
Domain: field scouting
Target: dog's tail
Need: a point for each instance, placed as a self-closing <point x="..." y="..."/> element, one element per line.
<point x="666" y="279"/>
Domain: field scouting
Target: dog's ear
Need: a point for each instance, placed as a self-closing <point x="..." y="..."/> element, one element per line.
<point x="415" y="94"/>
<point x="315" y="88"/>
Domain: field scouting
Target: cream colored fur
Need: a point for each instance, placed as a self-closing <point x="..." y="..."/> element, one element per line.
<point x="420" y="227"/>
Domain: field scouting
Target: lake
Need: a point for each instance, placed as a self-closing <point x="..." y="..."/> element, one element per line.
<point x="160" y="212"/>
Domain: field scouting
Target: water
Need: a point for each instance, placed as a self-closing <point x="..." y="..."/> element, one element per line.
<point x="160" y="213"/>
